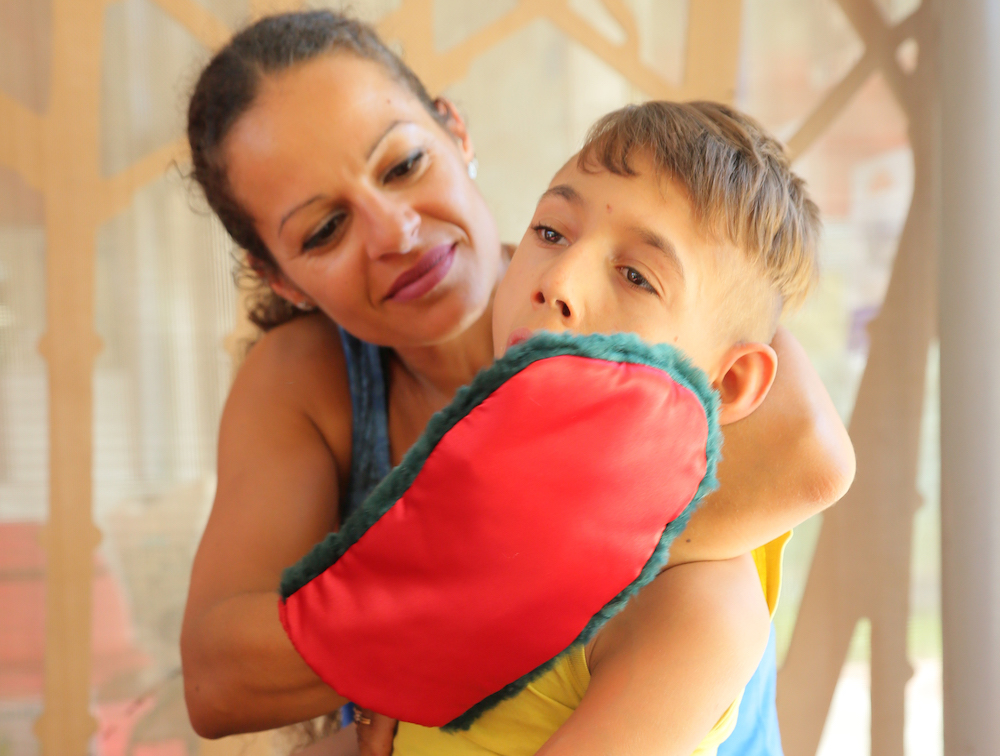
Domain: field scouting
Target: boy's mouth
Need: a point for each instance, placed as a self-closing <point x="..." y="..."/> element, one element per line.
<point x="519" y="335"/>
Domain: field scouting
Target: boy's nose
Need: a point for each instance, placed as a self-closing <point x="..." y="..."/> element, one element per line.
<point x="560" y="290"/>
<point x="560" y="305"/>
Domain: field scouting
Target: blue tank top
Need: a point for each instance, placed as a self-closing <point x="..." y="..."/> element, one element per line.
<point x="756" y="732"/>
<point x="370" y="456"/>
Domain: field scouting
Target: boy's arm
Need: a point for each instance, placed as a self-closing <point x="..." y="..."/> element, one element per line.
<point x="784" y="463"/>
<point x="665" y="669"/>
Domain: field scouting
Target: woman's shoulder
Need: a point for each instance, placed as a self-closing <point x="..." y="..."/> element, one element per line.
<point x="299" y="368"/>
<point x="306" y="349"/>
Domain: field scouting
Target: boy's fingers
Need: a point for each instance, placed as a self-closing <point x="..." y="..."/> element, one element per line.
<point x="375" y="733"/>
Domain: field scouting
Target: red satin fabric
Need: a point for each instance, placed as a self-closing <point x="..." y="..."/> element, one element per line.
<point x="535" y="510"/>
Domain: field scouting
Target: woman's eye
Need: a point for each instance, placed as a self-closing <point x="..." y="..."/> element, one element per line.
<point x="636" y="279"/>
<point x="324" y="233"/>
<point x="548" y="235"/>
<point x="405" y="167"/>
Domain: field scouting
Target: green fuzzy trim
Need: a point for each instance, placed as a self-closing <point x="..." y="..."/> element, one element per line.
<point x="621" y="348"/>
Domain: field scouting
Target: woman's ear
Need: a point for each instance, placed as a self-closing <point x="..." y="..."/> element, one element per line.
<point x="747" y="372"/>
<point x="455" y="124"/>
<point x="281" y="285"/>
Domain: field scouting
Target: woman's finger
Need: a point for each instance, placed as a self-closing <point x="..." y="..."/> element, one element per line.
<point x="375" y="733"/>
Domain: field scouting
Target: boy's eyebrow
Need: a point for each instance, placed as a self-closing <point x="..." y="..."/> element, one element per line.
<point x="647" y="235"/>
<point x="653" y="239"/>
<point x="565" y="191"/>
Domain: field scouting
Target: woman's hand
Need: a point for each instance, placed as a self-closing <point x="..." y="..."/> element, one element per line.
<point x="371" y="735"/>
<point x="784" y="463"/>
<point x="375" y="733"/>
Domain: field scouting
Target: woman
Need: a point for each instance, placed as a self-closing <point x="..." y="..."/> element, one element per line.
<point x="353" y="194"/>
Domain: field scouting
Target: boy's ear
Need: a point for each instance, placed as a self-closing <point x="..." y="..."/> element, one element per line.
<point x="279" y="284"/>
<point x="747" y="372"/>
<point x="455" y="124"/>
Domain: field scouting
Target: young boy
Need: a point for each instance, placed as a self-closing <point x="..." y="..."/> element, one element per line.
<point x="683" y="224"/>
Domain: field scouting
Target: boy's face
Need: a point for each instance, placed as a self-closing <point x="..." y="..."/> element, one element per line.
<point x="608" y="254"/>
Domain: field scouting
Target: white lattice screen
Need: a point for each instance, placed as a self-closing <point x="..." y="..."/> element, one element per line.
<point x="118" y="319"/>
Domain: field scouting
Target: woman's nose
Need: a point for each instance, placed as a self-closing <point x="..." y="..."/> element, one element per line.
<point x="393" y="225"/>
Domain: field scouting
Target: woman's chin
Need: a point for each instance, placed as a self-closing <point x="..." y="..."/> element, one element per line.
<point x="455" y="309"/>
<point x="440" y="315"/>
<point x="436" y="323"/>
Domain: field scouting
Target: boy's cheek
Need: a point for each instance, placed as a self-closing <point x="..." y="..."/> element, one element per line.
<point x="512" y="305"/>
<point x="501" y="321"/>
<point x="514" y="289"/>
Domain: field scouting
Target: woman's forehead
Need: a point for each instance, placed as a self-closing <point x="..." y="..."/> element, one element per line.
<point x="312" y="127"/>
<point x="341" y="100"/>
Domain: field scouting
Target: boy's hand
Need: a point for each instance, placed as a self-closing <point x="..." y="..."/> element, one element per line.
<point x="787" y="461"/>
<point x="375" y="733"/>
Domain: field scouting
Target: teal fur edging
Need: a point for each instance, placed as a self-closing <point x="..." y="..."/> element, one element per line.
<point x="621" y="348"/>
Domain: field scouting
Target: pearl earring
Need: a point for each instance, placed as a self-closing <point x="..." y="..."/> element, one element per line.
<point x="473" y="168"/>
<point x="305" y="306"/>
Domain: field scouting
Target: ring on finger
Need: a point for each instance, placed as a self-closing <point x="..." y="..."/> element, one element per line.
<point x="360" y="718"/>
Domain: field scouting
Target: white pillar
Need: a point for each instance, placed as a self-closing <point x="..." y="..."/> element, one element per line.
<point x="970" y="374"/>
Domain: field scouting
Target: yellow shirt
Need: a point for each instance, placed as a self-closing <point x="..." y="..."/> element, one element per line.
<point x="520" y="725"/>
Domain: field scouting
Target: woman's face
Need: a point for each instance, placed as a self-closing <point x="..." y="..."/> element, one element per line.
<point x="365" y="201"/>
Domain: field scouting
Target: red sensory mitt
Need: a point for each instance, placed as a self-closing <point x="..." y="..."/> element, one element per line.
<point x="527" y="514"/>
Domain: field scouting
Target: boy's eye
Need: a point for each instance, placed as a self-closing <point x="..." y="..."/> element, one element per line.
<point x="404" y="167"/>
<point x="636" y="279"/>
<point x="548" y="235"/>
<point x="324" y="233"/>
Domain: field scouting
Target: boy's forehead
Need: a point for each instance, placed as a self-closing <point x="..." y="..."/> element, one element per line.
<point x="593" y="175"/>
<point x="648" y="193"/>
<point x="565" y="169"/>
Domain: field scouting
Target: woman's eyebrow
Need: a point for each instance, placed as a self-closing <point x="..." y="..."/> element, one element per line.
<point x="393" y="125"/>
<point x="316" y="198"/>
<point x="295" y="209"/>
<point x="653" y="239"/>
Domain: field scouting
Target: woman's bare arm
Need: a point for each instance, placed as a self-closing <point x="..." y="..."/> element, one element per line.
<point x="784" y="463"/>
<point x="277" y="497"/>
<point x="665" y="669"/>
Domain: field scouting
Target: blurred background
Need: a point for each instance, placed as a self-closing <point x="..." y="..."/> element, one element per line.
<point x="112" y="239"/>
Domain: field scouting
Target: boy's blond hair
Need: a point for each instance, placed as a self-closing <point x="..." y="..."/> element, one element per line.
<point x="739" y="181"/>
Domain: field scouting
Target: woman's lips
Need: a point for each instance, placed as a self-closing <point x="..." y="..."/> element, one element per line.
<point x="427" y="273"/>
<point x="519" y="335"/>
